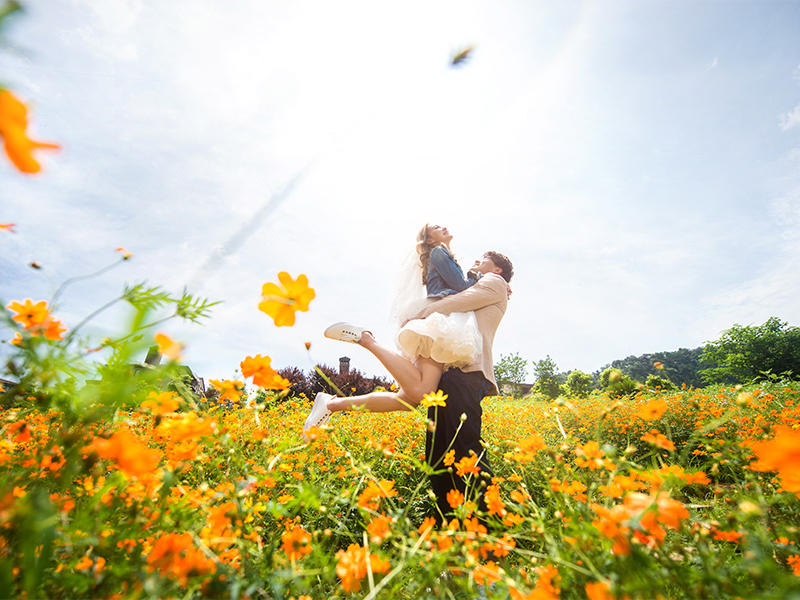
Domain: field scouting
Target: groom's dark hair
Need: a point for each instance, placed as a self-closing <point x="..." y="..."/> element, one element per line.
<point x="501" y="260"/>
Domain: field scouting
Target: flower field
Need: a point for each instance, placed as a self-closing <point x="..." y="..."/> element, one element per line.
<point x="118" y="481"/>
<point x="691" y="494"/>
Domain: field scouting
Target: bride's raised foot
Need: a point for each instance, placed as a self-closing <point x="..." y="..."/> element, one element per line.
<point x="346" y="332"/>
<point x="319" y="415"/>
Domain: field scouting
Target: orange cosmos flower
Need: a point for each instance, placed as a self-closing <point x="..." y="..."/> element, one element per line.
<point x="159" y="404"/>
<point x="658" y="440"/>
<point x="8" y="227"/>
<point x="258" y="367"/>
<point x="13" y="125"/>
<point x="652" y="410"/>
<point x="794" y="562"/>
<point x="125" y="254"/>
<point x="726" y="536"/>
<point x="186" y="427"/>
<point x="352" y="566"/>
<point x="375" y="490"/>
<point x="659" y="365"/>
<point x="468" y="464"/>
<point x="494" y="503"/>
<point x="131" y="455"/>
<point x="781" y="454"/>
<point x="29" y="314"/>
<point x="229" y="389"/>
<point x="52" y="329"/>
<point x="378" y="528"/>
<point x="281" y="302"/>
<point x="175" y="555"/>
<point x="296" y="542"/>
<point x="168" y="347"/>
<point x="600" y="590"/>
<point x="455" y="498"/>
<point x="36" y="319"/>
<point x="449" y="458"/>
<point x="486" y="574"/>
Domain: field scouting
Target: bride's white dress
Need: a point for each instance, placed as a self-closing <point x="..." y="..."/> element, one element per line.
<point x="453" y="340"/>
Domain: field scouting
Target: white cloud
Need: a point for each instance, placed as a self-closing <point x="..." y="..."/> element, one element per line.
<point x="790" y="119"/>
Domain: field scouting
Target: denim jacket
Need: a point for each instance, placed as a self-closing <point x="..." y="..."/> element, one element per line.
<point x="445" y="277"/>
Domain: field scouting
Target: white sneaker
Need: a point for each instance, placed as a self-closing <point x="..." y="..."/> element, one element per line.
<point x="344" y="332"/>
<point x="319" y="414"/>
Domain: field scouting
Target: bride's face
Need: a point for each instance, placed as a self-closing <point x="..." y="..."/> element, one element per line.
<point x="438" y="234"/>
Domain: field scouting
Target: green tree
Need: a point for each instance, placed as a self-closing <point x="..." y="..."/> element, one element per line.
<point x="742" y="354"/>
<point x="679" y="366"/>
<point x="579" y="383"/>
<point x="616" y="383"/>
<point x="546" y="372"/>
<point x="511" y="368"/>
<point x="654" y="381"/>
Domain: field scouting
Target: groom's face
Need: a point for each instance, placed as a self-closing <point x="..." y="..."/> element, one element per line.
<point x="486" y="265"/>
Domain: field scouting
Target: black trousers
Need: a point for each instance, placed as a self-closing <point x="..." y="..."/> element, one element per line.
<point x="464" y="394"/>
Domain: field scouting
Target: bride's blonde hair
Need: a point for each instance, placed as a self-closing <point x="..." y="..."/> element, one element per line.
<point x="424" y="248"/>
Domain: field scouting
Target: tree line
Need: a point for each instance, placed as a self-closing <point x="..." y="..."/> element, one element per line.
<point x="741" y="354"/>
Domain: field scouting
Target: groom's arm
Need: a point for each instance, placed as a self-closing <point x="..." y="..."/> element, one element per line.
<point x="490" y="289"/>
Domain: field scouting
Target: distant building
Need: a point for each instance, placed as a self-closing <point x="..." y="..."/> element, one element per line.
<point x="344" y="365"/>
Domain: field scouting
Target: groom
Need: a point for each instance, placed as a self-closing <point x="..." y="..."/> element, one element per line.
<point x="466" y="387"/>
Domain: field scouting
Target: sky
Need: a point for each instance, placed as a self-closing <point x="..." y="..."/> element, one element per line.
<point x="639" y="162"/>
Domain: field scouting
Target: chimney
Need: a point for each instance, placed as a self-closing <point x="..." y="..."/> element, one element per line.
<point x="344" y="365"/>
<point x="153" y="357"/>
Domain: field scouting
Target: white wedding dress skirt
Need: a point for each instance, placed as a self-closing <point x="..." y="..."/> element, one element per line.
<point x="453" y="340"/>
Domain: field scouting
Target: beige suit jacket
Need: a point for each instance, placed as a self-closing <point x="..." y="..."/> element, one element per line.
<point x="488" y="298"/>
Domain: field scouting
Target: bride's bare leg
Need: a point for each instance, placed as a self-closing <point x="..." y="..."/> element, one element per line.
<point x="415" y="378"/>
<point x="430" y="371"/>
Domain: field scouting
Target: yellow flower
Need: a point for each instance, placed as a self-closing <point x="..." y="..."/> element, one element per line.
<point x="437" y="399"/>
<point x="281" y="302"/>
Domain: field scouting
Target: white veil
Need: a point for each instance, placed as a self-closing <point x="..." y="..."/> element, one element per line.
<point x="410" y="295"/>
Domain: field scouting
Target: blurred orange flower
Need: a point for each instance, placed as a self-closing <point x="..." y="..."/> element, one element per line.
<point x="8" y="227"/>
<point x="794" y="562"/>
<point x="29" y="315"/>
<point x="131" y="455"/>
<point x="486" y="574"/>
<point x="36" y="319"/>
<point x="468" y="464"/>
<point x="229" y="389"/>
<point x="281" y="301"/>
<point x="652" y="410"/>
<point x="781" y="454"/>
<point x="13" y="128"/>
<point x="374" y="491"/>
<point x="175" y="555"/>
<point x="259" y="368"/>
<point x="168" y="347"/>
<point x="186" y="427"/>
<point x="658" y="440"/>
<point x="378" y="528"/>
<point x="455" y="498"/>
<point x="296" y="542"/>
<point x="159" y="404"/>
<point x="352" y="566"/>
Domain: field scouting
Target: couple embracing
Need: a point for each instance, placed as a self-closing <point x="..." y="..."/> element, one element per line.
<point x="449" y="321"/>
